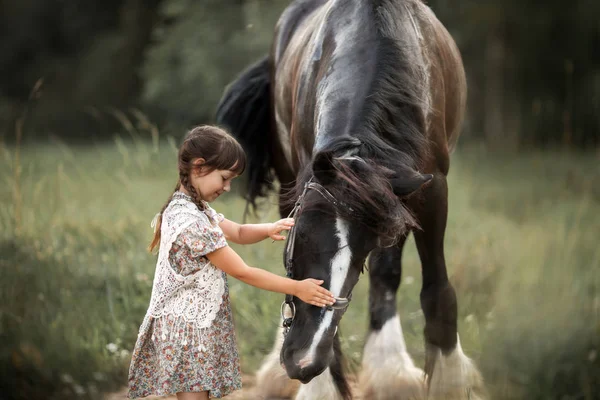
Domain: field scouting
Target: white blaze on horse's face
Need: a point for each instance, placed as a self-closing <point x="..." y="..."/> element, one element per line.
<point x="340" y="265"/>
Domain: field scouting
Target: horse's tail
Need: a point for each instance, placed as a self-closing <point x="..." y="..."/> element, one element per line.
<point x="245" y="110"/>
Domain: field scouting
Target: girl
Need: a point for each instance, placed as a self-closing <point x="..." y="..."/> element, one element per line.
<point x="186" y="343"/>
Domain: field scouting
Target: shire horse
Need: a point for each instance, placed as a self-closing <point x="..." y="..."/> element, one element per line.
<point x="355" y="112"/>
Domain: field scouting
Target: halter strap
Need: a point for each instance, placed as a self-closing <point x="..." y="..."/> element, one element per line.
<point x="340" y="302"/>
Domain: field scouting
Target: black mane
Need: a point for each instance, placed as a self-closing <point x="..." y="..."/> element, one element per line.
<point x="363" y="189"/>
<point x="394" y="114"/>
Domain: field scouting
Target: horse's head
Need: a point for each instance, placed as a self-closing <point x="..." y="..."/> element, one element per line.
<point x="347" y="205"/>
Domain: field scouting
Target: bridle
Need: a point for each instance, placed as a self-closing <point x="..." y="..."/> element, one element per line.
<point x="340" y="302"/>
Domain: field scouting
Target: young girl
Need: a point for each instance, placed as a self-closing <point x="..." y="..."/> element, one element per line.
<point x="186" y="343"/>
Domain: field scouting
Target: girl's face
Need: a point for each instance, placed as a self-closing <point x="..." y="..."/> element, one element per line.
<point x="212" y="184"/>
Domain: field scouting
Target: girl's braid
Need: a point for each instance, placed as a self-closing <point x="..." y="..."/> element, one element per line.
<point x="157" y="222"/>
<point x="184" y="178"/>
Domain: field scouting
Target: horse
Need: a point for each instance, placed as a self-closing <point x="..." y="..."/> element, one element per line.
<point x="355" y="112"/>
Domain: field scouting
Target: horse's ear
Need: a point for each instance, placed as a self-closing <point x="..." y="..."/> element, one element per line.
<point x="323" y="168"/>
<point x="406" y="185"/>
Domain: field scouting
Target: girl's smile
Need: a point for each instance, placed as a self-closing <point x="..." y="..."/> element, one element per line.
<point x="210" y="185"/>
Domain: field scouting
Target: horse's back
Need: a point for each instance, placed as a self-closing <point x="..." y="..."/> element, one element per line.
<point x="449" y="84"/>
<point x="289" y="21"/>
<point x="299" y="42"/>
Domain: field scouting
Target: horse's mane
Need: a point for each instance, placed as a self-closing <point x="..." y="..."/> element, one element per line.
<point x="395" y="115"/>
<point x="393" y="134"/>
<point x="362" y="187"/>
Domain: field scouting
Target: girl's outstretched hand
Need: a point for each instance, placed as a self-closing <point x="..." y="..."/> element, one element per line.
<point x="310" y="291"/>
<point x="276" y="228"/>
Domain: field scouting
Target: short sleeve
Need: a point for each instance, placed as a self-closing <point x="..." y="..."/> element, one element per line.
<point x="202" y="238"/>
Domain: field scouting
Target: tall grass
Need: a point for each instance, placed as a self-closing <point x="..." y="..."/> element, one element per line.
<point x="75" y="280"/>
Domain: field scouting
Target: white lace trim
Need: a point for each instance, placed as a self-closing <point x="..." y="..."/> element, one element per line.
<point x="194" y="299"/>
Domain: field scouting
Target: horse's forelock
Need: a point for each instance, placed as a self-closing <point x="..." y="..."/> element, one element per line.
<point x="368" y="198"/>
<point x="365" y="194"/>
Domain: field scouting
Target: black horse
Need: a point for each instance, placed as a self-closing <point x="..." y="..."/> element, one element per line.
<point x="355" y="112"/>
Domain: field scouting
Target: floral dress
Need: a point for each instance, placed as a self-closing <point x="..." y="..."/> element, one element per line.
<point x="163" y="365"/>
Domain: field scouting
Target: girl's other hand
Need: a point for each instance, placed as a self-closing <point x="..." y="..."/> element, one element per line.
<point x="276" y="228"/>
<point x="310" y="291"/>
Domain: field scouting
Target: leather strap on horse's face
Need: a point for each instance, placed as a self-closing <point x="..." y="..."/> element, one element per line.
<point x="340" y="302"/>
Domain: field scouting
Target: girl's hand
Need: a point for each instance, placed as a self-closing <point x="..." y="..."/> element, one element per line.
<point x="275" y="228"/>
<point x="310" y="291"/>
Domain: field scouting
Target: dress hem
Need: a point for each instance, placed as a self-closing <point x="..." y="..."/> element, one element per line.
<point x="212" y="393"/>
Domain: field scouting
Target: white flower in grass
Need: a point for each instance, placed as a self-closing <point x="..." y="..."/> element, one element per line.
<point x="66" y="378"/>
<point x="469" y="318"/>
<point x="124" y="353"/>
<point x="592" y="356"/>
<point x="408" y="280"/>
<point x="99" y="376"/>
<point x="79" y="390"/>
<point x="112" y="347"/>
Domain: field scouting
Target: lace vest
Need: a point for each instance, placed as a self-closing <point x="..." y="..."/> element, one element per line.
<point x="192" y="300"/>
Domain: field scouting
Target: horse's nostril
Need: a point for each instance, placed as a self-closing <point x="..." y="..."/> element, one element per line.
<point x="305" y="362"/>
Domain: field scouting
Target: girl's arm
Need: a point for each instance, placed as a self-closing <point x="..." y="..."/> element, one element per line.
<point x="253" y="233"/>
<point x="308" y="290"/>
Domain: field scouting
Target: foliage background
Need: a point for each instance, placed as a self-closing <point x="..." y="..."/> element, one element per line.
<point x="88" y="159"/>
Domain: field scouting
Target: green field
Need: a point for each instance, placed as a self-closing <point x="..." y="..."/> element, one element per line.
<point x="521" y="246"/>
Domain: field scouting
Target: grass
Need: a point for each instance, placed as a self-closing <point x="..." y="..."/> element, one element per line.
<point x="75" y="279"/>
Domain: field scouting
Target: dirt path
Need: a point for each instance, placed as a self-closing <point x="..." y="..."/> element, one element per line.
<point x="247" y="393"/>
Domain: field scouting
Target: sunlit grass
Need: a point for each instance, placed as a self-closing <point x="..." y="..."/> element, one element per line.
<point x="521" y="247"/>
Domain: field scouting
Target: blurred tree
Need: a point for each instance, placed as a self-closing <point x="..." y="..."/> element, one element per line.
<point x="199" y="49"/>
<point x="533" y="69"/>
<point x="87" y="51"/>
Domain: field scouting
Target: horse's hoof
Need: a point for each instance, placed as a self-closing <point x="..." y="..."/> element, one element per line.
<point x="272" y="382"/>
<point x="388" y="372"/>
<point x="408" y="384"/>
<point x="453" y="377"/>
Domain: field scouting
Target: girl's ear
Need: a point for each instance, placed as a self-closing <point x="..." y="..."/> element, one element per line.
<point x="197" y="167"/>
<point x="198" y="162"/>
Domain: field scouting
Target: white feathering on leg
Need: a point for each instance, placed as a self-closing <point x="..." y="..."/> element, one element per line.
<point x="321" y="387"/>
<point x="388" y="372"/>
<point x="271" y="379"/>
<point x="455" y="377"/>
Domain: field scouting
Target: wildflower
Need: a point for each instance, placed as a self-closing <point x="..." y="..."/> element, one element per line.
<point x="99" y="376"/>
<point x="79" y="390"/>
<point x="112" y="347"/>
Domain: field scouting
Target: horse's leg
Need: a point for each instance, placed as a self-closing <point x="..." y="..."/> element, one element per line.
<point x="321" y="387"/>
<point x="272" y="381"/>
<point x="388" y="372"/>
<point x="331" y="384"/>
<point x="451" y="375"/>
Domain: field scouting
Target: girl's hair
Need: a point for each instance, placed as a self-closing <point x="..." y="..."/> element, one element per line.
<point x="219" y="150"/>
